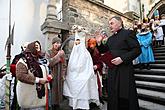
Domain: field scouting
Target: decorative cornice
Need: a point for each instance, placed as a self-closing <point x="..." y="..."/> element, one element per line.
<point x="51" y="6"/>
<point x="132" y="15"/>
<point x="53" y="26"/>
<point x="51" y="16"/>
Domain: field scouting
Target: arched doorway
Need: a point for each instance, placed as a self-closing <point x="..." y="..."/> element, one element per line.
<point x="160" y="6"/>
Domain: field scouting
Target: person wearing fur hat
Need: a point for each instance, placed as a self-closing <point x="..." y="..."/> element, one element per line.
<point x="57" y="65"/>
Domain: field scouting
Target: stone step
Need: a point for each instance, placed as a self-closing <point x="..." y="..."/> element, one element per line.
<point x="159" y="61"/>
<point x="159" y="48"/>
<point x="159" y="51"/>
<point x="151" y="85"/>
<point x="159" y="54"/>
<point x="150" y="72"/>
<point x="152" y="96"/>
<point x="159" y="57"/>
<point x="150" y="78"/>
<point x="157" y="66"/>
<point x="146" y="105"/>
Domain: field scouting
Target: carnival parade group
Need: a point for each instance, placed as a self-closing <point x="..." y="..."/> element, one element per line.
<point x="99" y="71"/>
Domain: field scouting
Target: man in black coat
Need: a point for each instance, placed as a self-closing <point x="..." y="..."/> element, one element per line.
<point x="124" y="47"/>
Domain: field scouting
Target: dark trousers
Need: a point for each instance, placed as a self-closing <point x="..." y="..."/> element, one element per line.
<point x="159" y="43"/>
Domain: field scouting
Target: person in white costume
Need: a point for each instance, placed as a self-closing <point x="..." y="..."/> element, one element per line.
<point x="158" y="32"/>
<point x="80" y="85"/>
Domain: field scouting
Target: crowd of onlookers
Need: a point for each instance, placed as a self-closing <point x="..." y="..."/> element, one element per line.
<point x="150" y="34"/>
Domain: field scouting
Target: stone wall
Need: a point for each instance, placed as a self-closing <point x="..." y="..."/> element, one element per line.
<point x="91" y="14"/>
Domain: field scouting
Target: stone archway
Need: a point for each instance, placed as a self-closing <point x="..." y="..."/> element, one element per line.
<point x="158" y="6"/>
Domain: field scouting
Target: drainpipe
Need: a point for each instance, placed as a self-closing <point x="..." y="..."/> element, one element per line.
<point x="140" y="8"/>
<point x="143" y="15"/>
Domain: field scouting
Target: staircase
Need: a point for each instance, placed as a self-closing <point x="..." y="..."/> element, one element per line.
<point x="151" y="83"/>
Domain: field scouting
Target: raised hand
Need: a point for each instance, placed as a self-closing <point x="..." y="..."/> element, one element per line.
<point x="99" y="38"/>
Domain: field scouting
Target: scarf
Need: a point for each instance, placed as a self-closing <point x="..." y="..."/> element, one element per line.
<point x="31" y="57"/>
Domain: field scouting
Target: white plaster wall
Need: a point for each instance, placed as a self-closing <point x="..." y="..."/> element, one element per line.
<point x="28" y="16"/>
<point x="134" y="6"/>
<point x="123" y="5"/>
<point x="119" y="5"/>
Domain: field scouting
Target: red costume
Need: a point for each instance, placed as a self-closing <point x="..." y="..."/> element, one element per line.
<point x="96" y="62"/>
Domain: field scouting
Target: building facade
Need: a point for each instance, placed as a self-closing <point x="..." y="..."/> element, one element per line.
<point x="43" y="19"/>
<point x="28" y="16"/>
<point x="91" y="14"/>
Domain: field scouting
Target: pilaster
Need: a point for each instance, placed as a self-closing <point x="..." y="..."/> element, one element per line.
<point x="52" y="26"/>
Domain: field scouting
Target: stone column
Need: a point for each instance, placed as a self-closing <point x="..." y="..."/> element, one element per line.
<point x="52" y="27"/>
<point x="51" y="10"/>
<point x="48" y="28"/>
